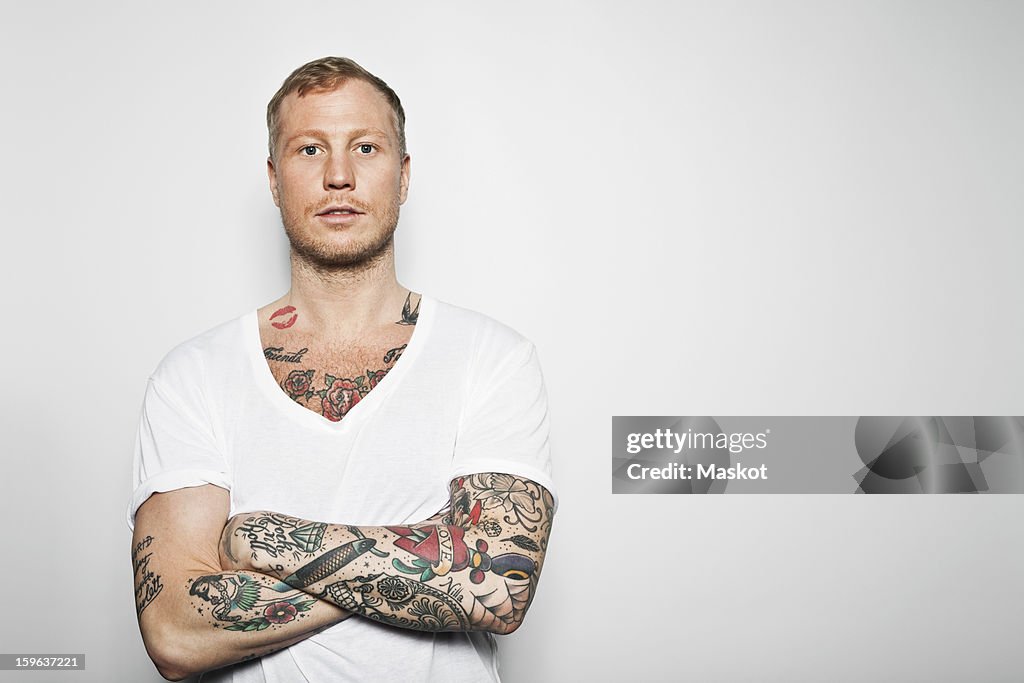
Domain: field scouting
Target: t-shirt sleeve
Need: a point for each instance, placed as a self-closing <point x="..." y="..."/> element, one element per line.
<point x="504" y="425"/>
<point x="175" y="448"/>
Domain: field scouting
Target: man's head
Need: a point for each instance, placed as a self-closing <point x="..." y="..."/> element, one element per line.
<point x="338" y="167"/>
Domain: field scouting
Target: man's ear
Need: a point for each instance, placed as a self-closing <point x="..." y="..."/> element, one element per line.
<point x="403" y="190"/>
<point x="272" y="176"/>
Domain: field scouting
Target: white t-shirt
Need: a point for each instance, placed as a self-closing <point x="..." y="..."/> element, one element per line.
<point x="466" y="396"/>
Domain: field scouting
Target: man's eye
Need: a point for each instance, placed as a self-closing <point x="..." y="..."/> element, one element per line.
<point x="366" y="148"/>
<point x="309" y="150"/>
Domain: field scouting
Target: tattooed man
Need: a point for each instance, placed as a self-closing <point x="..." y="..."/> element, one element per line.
<point x="351" y="482"/>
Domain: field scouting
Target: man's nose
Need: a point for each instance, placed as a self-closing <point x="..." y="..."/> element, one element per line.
<point x="339" y="174"/>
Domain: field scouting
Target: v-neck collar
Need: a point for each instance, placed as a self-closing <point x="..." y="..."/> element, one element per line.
<point x="264" y="377"/>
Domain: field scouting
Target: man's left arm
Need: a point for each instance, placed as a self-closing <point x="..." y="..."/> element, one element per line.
<point x="475" y="568"/>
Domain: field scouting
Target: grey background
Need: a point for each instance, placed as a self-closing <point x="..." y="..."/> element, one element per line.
<point x="789" y="208"/>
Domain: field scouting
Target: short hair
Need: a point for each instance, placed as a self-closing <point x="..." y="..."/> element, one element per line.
<point x="328" y="73"/>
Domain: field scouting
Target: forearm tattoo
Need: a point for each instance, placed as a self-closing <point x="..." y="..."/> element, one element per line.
<point x="475" y="570"/>
<point x="276" y="535"/>
<point x="239" y="602"/>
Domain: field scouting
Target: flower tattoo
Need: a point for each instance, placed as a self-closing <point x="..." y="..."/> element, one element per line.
<point x="298" y="382"/>
<point x="341" y="396"/>
<point x="375" y="376"/>
<point x="393" y="589"/>
<point x="280" y="612"/>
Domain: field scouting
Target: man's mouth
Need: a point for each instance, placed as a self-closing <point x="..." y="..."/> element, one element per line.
<point x="342" y="210"/>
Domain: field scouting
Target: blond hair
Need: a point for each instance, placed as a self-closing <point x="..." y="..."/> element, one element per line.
<point x="328" y="73"/>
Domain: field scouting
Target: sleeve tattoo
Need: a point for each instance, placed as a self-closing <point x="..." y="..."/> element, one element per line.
<point x="475" y="566"/>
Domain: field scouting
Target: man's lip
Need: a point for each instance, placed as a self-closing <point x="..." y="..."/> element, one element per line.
<point x="339" y="207"/>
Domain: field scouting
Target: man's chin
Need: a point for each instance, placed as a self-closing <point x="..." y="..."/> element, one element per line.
<point x="332" y="257"/>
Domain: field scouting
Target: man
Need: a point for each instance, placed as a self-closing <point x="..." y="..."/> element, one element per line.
<point x="352" y="482"/>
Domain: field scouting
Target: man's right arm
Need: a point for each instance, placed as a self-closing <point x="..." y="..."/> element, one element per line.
<point x="193" y="615"/>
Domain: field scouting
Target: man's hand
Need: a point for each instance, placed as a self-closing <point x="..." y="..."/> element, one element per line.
<point x="474" y="568"/>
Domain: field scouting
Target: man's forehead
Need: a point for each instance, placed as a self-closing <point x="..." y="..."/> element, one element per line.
<point x="350" y="106"/>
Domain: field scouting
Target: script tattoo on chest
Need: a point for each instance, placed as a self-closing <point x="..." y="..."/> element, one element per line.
<point x="393" y="355"/>
<point x="279" y="354"/>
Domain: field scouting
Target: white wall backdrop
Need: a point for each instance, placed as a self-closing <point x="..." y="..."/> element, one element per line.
<point x="691" y="208"/>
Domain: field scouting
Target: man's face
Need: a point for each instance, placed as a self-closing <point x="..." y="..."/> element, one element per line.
<point x="337" y="174"/>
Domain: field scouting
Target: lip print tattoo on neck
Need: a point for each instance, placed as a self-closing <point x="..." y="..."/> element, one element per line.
<point x="285" y="323"/>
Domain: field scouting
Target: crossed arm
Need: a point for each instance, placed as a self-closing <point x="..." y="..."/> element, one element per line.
<point x="210" y="595"/>
<point x="473" y="568"/>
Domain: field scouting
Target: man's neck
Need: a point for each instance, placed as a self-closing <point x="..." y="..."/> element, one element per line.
<point x="343" y="303"/>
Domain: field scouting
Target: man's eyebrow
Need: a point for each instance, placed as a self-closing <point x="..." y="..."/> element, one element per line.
<point x="323" y="135"/>
<point x="308" y="133"/>
<point x="360" y="132"/>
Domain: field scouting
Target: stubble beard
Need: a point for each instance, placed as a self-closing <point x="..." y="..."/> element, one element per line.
<point x="327" y="256"/>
